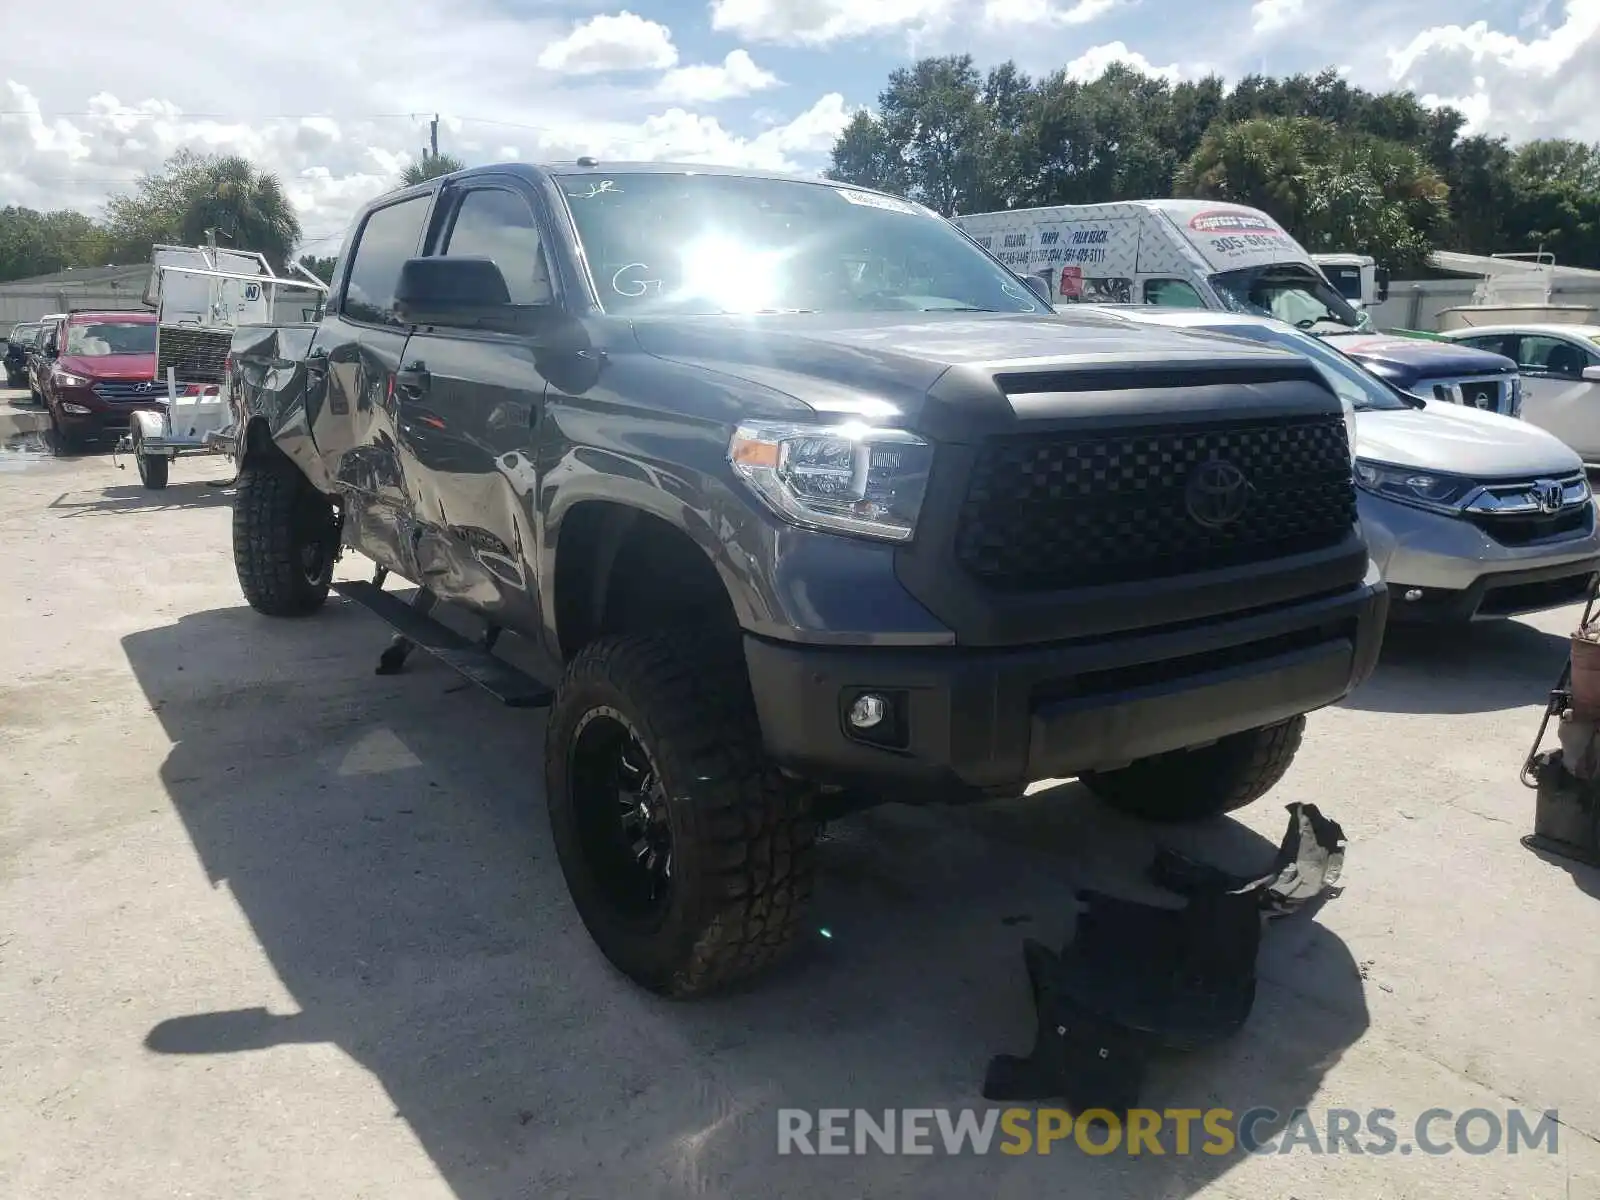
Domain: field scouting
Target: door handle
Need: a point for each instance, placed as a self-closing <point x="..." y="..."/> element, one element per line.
<point x="412" y="380"/>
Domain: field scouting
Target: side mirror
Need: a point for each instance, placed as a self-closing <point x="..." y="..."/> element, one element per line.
<point x="1381" y="279"/>
<point x="1591" y="374"/>
<point x="458" y="292"/>
<point x="1039" y="288"/>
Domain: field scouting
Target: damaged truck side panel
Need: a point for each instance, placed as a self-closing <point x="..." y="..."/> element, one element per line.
<point x="880" y="526"/>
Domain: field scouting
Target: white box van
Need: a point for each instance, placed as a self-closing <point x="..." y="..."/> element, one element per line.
<point x="1184" y="253"/>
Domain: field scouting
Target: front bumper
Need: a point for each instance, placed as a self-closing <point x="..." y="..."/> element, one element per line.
<point x="101" y="416"/>
<point x="987" y="722"/>
<point x="1456" y="572"/>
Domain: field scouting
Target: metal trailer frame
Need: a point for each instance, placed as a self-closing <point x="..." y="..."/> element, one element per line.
<point x="199" y="417"/>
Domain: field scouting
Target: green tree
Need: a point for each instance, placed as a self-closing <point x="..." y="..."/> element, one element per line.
<point x="247" y="208"/>
<point x="933" y="138"/>
<point x="37" y="243"/>
<point x="430" y="166"/>
<point x="320" y="266"/>
<point x="193" y="193"/>
<point x="1332" y="189"/>
<point x="865" y="155"/>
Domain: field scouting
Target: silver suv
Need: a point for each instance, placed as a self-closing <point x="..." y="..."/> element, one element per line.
<point x="1469" y="514"/>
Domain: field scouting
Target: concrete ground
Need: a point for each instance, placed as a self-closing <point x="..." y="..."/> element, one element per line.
<point x="271" y="926"/>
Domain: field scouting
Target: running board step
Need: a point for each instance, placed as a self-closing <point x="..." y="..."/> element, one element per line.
<point x="511" y="686"/>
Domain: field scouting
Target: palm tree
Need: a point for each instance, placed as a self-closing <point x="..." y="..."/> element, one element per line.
<point x="246" y="207"/>
<point x="430" y="167"/>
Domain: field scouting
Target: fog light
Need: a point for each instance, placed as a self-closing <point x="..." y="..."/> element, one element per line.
<point x="1413" y="594"/>
<point x="868" y="711"/>
<point x="76" y="408"/>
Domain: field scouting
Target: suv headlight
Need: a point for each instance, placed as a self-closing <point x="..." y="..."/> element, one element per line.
<point x="1349" y="425"/>
<point x="68" y="379"/>
<point x="1424" y="489"/>
<point x="849" y="478"/>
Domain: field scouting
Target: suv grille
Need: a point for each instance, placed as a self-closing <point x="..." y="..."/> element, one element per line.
<point x="1490" y="395"/>
<point x="1049" y="511"/>
<point x="118" y="391"/>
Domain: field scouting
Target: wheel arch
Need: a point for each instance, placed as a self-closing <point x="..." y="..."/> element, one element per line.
<point x="620" y="568"/>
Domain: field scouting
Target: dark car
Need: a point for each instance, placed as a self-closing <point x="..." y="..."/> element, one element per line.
<point x="1437" y="370"/>
<point x="18" y="341"/>
<point x="815" y="504"/>
<point x="101" y="369"/>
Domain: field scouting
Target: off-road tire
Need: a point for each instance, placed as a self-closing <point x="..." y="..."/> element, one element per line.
<point x="742" y="833"/>
<point x="270" y="531"/>
<point x="1191" y="785"/>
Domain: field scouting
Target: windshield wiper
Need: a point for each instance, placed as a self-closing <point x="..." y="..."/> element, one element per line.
<point x="958" y="308"/>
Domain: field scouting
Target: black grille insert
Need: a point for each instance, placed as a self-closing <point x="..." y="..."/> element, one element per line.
<point x="1523" y="530"/>
<point x="1052" y="511"/>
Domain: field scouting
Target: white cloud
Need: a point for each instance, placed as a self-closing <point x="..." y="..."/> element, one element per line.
<point x="1269" y="16"/>
<point x="737" y="75"/>
<point x="814" y="22"/>
<point x="680" y="136"/>
<point x="1046" y="12"/>
<point x="1547" y="86"/>
<point x="612" y="42"/>
<point x="1092" y="63"/>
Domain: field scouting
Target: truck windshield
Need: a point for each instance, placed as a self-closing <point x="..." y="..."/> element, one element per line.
<point x="103" y="338"/>
<point x="1291" y="293"/>
<point x="667" y="242"/>
<point x="1346" y="280"/>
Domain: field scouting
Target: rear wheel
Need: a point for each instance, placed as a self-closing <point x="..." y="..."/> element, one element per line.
<point x="1190" y="785"/>
<point x="285" y="540"/>
<point x="687" y="854"/>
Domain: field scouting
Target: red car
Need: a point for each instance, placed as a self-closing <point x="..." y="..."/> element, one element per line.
<point x="100" y="367"/>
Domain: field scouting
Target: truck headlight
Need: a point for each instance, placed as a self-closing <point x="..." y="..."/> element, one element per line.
<point x="848" y="478"/>
<point x="1425" y="489"/>
<point x="1349" y="425"/>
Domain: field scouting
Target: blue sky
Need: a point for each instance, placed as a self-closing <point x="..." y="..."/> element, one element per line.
<point x="335" y="97"/>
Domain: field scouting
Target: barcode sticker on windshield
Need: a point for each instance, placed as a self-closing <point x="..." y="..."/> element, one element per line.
<point x="874" y="200"/>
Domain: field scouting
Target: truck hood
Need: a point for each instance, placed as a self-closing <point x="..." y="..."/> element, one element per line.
<point x="110" y="366"/>
<point x="1404" y="360"/>
<point x="1462" y="441"/>
<point x="880" y="366"/>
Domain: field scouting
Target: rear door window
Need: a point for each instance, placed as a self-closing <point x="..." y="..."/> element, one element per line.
<point x="389" y="236"/>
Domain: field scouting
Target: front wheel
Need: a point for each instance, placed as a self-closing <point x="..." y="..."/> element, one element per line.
<point x="285" y="540"/>
<point x="1191" y="785"/>
<point x="687" y="854"/>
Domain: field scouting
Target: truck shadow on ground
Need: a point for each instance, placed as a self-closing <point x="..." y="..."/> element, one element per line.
<point x="386" y="839"/>
<point x="135" y="498"/>
<point x="1485" y="667"/>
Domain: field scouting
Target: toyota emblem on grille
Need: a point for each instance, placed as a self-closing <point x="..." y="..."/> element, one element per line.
<point x="1547" y="494"/>
<point x="1216" y="494"/>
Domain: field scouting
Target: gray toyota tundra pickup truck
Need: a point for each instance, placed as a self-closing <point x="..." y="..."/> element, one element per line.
<point x="809" y="503"/>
